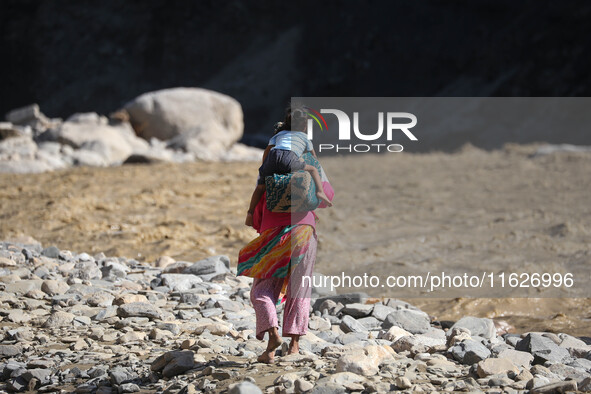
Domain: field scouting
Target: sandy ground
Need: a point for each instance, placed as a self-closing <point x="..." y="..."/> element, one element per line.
<point x="472" y="211"/>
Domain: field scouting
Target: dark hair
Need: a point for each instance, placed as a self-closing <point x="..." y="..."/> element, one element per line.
<point x="296" y="118"/>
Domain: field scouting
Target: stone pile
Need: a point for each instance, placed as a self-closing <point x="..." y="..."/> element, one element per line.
<point x="96" y="324"/>
<point x="172" y="125"/>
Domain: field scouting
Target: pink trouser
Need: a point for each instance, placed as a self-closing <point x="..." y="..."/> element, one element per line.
<point x="265" y="292"/>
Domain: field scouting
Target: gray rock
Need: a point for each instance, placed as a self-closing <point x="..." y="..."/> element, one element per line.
<point x="543" y="349"/>
<point x="349" y="324"/>
<point x="481" y="327"/>
<point x="357" y="310"/>
<point x="328" y="387"/>
<point x="568" y="372"/>
<point x="174" y="363"/>
<point x="518" y="358"/>
<point x="558" y="387"/>
<point x="42" y="375"/>
<point x="87" y="270"/>
<point x="51" y="252"/>
<point x="112" y="271"/>
<point x="469" y="352"/>
<point x="348" y="298"/>
<point x="59" y="319"/>
<point x="244" y="388"/>
<point x="54" y="287"/>
<point x="317" y="323"/>
<point x="214" y="118"/>
<point x="19" y="316"/>
<point x="381" y="312"/>
<point x="22" y="147"/>
<point x="180" y="282"/>
<point x="139" y="309"/>
<point x="370" y="322"/>
<point x="92" y="133"/>
<point x="410" y="320"/>
<point x="24" y="166"/>
<point x="7" y="351"/>
<point x="129" y="388"/>
<point x="210" y="267"/>
<point x="23" y="286"/>
<point x="121" y="375"/>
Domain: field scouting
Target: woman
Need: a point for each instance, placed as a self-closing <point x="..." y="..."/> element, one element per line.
<point x="278" y="260"/>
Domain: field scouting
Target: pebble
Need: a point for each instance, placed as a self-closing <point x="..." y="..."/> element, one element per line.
<point x="476" y="326"/>
<point x="412" y="321"/>
<point x="114" y="325"/>
<point x="495" y="366"/>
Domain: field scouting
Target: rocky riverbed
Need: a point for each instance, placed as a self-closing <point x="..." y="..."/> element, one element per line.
<point x="76" y="322"/>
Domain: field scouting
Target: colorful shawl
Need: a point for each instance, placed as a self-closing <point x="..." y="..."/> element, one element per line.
<point x="275" y="253"/>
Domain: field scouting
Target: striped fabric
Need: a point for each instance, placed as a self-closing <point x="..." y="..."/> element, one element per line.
<point x="295" y="141"/>
<point x="275" y="253"/>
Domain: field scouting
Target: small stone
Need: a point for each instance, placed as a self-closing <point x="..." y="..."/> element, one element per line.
<point x="210" y="267"/>
<point x="358" y="363"/>
<point x="180" y="282"/>
<point x="318" y="323"/>
<point x="164" y="261"/>
<point x="131" y="337"/>
<point x="157" y="334"/>
<point x="494" y="366"/>
<point x="349" y="324"/>
<point x="173" y="363"/>
<point x="518" y="358"/>
<point x="358" y="310"/>
<point x="542" y="348"/>
<point x="244" y="387"/>
<point x="410" y="320"/>
<point x="129" y="388"/>
<point x="59" y="319"/>
<point x="481" y="327"/>
<point x="402" y="382"/>
<point x="188" y="344"/>
<point x="302" y="385"/>
<point x="214" y="328"/>
<point x="469" y="352"/>
<point x="394" y="333"/>
<point x="120" y="375"/>
<point x="7" y="351"/>
<point x="52" y="252"/>
<point x="558" y="387"/>
<point x="139" y="309"/>
<point x="80" y="344"/>
<point x="100" y="299"/>
<point x="129" y="299"/>
<point x="19" y="317"/>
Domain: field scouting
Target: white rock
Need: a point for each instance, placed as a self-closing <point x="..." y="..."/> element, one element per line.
<point x="201" y="121"/>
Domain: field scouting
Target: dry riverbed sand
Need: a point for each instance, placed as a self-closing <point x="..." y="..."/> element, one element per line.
<point x="471" y="210"/>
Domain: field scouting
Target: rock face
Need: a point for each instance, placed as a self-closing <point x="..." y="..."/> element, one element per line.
<point x="196" y="120"/>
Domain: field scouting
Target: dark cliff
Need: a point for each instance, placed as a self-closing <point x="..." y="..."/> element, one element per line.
<point x="72" y="56"/>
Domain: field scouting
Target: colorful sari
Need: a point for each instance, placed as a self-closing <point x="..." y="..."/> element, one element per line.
<point x="275" y="253"/>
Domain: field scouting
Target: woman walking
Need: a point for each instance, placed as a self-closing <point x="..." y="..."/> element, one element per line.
<point x="278" y="260"/>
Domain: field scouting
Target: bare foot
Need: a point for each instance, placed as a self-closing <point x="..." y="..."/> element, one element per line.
<point x="293" y="349"/>
<point x="324" y="198"/>
<point x="268" y="356"/>
<point x="294" y="345"/>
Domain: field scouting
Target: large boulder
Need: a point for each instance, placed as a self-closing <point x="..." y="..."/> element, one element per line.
<point x="196" y="120"/>
<point x="91" y="132"/>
